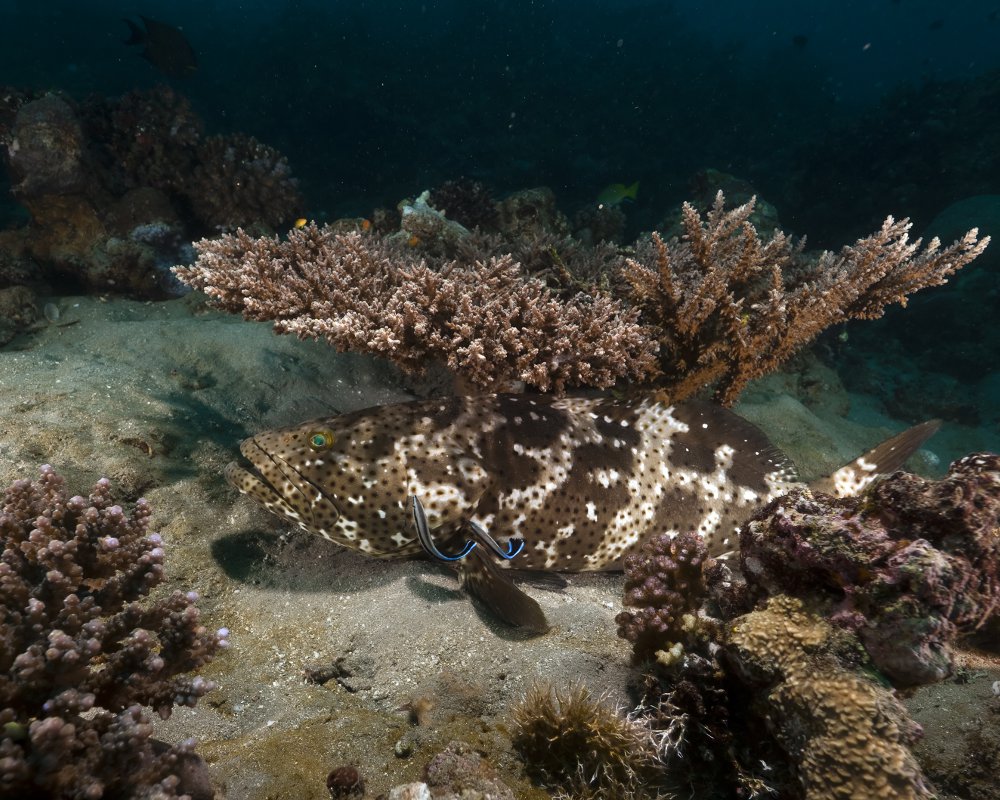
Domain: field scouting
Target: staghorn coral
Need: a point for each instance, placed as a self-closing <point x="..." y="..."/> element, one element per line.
<point x="491" y="324"/>
<point x="579" y="745"/>
<point x="732" y="307"/>
<point x="80" y="656"/>
<point x="566" y="265"/>
<point x="909" y="565"/>
<point x="722" y="306"/>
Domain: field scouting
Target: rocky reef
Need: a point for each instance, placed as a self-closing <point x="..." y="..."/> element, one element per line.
<point x="908" y="567"/>
<point x="116" y="189"/>
<point x="778" y="677"/>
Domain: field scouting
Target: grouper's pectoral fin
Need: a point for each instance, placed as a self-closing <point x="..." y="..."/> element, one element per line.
<point x="479" y="574"/>
<point x="481" y="577"/>
<point x="887" y="457"/>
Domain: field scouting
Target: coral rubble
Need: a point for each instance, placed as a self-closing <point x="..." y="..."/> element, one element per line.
<point x="80" y="656"/>
<point x="459" y="772"/>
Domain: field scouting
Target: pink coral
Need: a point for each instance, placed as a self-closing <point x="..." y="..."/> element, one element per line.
<point x="80" y="656"/>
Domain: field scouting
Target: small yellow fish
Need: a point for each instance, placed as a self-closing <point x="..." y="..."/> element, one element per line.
<point x="300" y="222"/>
<point x="614" y="194"/>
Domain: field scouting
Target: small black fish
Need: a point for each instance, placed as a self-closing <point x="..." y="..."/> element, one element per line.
<point x="165" y="47"/>
<point x="800" y="40"/>
<point x="936" y="25"/>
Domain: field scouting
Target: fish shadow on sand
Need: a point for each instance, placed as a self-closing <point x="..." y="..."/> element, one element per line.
<point x="296" y="562"/>
<point x="269" y="559"/>
<point x="435" y="594"/>
<point x="299" y="562"/>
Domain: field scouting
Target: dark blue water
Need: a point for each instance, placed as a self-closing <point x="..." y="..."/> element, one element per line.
<point x="373" y="100"/>
<point x="838" y="113"/>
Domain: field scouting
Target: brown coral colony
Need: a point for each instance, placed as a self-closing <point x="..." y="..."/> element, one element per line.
<point x="717" y="307"/>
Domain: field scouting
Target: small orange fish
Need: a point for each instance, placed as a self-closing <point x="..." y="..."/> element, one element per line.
<point x="366" y="225"/>
<point x="413" y="241"/>
<point x="300" y="222"/>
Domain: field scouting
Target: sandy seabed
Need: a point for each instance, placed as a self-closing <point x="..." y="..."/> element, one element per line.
<point x="155" y="397"/>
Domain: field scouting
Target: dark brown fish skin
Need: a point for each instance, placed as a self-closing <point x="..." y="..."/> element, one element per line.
<point x="582" y="480"/>
<point x="165" y="47"/>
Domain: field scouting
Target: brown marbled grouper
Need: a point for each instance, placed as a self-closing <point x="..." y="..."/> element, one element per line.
<point x="583" y="481"/>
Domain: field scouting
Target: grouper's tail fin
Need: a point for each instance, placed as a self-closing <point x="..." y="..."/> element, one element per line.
<point x="887" y="457"/>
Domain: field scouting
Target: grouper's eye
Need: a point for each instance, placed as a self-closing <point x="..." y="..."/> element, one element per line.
<point x="320" y="440"/>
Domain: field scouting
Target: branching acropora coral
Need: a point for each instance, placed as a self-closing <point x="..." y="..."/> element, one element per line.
<point x="80" y="656"/>
<point x="722" y="305"/>
<point x="488" y="321"/>
<point x="732" y="307"/>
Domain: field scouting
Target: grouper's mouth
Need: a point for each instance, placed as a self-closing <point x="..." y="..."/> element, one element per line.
<point x="277" y="485"/>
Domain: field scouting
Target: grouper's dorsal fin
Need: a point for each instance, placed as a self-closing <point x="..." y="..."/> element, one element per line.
<point x="483" y="579"/>
<point x="887" y="457"/>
